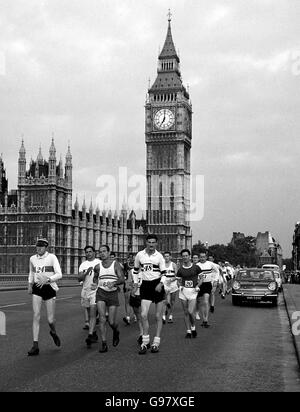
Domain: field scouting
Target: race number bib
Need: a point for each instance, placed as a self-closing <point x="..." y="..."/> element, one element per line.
<point x="104" y="283"/>
<point x="148" y="267"/>
<point x="39" y="269"/>
<point x="188" y="284"/>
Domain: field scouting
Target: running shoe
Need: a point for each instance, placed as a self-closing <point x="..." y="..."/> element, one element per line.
<point x="126" y="320"/>
<point x="91" y="339"/>
<point x="212" y="309"/>
<point x="116" y="337"/>
<point x="170" y="320"/>
<point x="154" y="348"/>
<point x="205" y="324"/>
<point x="55" y="338"/>
<point x="222" y="296"/>
<point x="94" y="337"/>
<point x="86" y="326"/>
<point x="188" y="335"/>
<point x="194" y="333"/>
<point x="103" y="347"/>
<point x="140" y="339"/>
<point x="88" y="341"/>
<point x="34" y="351"/>
<point x="164" y="319"/>
<point x="143" y="349"/>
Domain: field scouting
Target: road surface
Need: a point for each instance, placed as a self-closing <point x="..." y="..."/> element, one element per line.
<point x="247" y="348"/>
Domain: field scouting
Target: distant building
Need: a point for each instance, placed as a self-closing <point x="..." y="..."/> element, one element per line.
<point x="296" y="247"/>
<point x="42" y="207"/>
<point x="268" y="250"/>
<point x="236" y="236"/>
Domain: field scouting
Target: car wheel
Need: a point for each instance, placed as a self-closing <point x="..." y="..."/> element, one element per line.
<point x="235" y="301"/>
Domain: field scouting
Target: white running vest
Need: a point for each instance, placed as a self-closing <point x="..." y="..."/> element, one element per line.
<point x="107" y="275"/>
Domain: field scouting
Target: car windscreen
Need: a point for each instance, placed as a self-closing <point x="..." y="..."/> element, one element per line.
<point x="255" y="275"/>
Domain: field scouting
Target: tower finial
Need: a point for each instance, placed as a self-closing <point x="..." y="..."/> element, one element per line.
<point x="169" y="15"/>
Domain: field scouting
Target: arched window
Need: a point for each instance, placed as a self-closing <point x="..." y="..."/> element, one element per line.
<point x="172" y="201"/>
<point x="13" y="265"/>
<point x="160" y="200"/>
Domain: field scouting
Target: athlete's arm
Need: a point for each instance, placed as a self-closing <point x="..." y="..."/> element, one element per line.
<point x="120" y="273"/>
<point x="30" y="277"/>
<point x="175" y="268"/>
<point x="136" y="269"/>
<point x="82" y="274"/>
<point x="96" y="274"/>
<point x="179" y="278"/>
<point x="163" y="278"/>
<point x="57" y="270"/>
<point x="200" y="278"/>
<point x="137" y="265"/>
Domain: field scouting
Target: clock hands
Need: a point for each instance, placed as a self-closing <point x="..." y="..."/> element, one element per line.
<point x="163" y="118"/>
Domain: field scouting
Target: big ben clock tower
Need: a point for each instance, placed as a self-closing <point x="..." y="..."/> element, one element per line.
<point x="168" y="139"/>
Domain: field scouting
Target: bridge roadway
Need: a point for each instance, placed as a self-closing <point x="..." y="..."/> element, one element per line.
<point x="247" y="348"/>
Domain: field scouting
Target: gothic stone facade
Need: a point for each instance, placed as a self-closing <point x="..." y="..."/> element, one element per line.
<point x="42" y="207"/>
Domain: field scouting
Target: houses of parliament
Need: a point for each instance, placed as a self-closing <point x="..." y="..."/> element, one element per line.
<point x="42" y="206"/>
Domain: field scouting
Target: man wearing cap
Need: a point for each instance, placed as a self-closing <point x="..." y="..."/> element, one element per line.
<point x="44" y="271"/>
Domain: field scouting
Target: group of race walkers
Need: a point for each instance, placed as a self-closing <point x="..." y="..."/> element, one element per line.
<point x="149" y="277"/>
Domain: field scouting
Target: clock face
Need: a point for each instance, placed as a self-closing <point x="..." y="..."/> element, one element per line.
<point x="164" y="119"/>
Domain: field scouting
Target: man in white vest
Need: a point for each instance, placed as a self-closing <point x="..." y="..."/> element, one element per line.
<point x="44" y="271"/>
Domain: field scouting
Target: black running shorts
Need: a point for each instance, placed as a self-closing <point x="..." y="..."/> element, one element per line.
<point x="148" y="292"/>
<point x="135" y="301"/>
<point x="205" y="288"/>
<point x="46" y="292"/>
<point x="110" y="298"/>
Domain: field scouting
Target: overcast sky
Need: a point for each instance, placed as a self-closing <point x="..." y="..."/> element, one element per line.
<point x="80" y="70"/>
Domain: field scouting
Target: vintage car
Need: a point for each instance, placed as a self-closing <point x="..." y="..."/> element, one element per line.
<point x="255" y="285"/>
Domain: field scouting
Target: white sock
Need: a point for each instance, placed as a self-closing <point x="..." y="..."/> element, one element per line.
<point x="146" y="339"/>
<point x="188" y="331"/>
<point x="193" y="327"/>
<point x="156" y="341"/>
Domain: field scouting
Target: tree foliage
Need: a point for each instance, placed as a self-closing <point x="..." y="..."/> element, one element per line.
<point x="242" y="252"/>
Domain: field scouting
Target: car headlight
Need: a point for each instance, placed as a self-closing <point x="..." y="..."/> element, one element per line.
<point x="272" y="286"/>
<point x="236" y="285"/>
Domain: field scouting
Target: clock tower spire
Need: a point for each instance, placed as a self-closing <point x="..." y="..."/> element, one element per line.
<point x="168" y="139"/>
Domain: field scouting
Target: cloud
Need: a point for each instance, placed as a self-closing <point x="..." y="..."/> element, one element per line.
<point x="280" y="61"/>
<point x="217" y="15"/>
